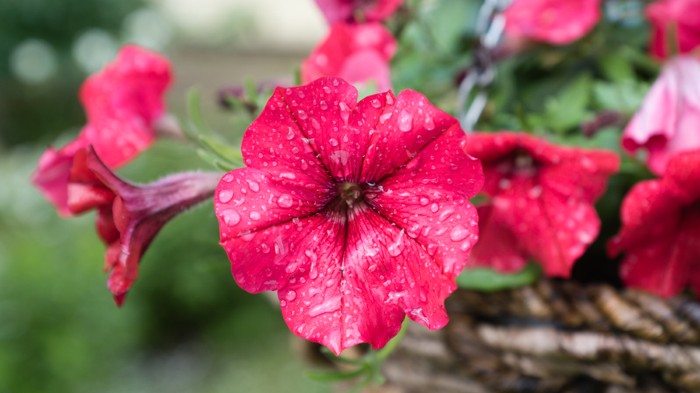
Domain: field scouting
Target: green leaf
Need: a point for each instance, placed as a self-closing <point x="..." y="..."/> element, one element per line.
<point x="335" y="376"/>
<point x="222" y="150"/>
<point x="489" y="280"/>
<point x="616" y="68"/>
<point x="623" y="97"/>
<point x="214" y="161"/>
<point x="568" y="109"/>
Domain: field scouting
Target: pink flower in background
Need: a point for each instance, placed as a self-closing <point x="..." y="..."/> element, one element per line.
<point x="556" y="22"/>
<point x="540" y="201"/>
<point x="675" y="26"/>
<point x="357" y="10"/>
<point x="356" y="53"/>
<point x="123" y="103"/>
<point x="356" y="213"/>
<point x="669" y="120"/>
<point x="661" y="230"/>
<point x="129" y="216"/>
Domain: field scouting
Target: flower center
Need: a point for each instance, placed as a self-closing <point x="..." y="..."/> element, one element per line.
<point x="350" y="193"/>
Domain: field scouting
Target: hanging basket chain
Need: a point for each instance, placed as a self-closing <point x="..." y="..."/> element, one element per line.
<point x="472" y="96"/>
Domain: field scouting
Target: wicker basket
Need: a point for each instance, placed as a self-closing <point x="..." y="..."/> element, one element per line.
<point x="553" y="337"/>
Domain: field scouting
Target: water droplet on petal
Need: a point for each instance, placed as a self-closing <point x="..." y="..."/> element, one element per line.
<point x="255" y="216"/>
<point x="459" y="233"/>
<point x="288" y="175"/>
<point x="434" y="207"/>
<point x="375" y="103"/>
<point x="302" y="114"/>
<point x="344" y="112"/>
<point x="327" y="89"/>
<point x="405" y="121"/>
<point x="228" y="178"/>
<point x="265" y="248"/>
<point x="396" y="247"/>
<point x="225" y="196"/>
<point x="291" y="295"/>
<point x="230" y="217"/>
<point x="333" y="142"/>
<point x="315" y="124"/>
<point x="290" y="134"/>
<point x="428" y="123"/>
<point x="424" y="201"/>
<point x="285" y="201"/>
<point x="253" y="185"/>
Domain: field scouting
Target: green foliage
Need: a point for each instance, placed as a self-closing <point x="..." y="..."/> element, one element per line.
<point x="489" y="280"/>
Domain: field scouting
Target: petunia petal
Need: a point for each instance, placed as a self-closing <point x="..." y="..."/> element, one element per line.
<point x="497" y="247"/>
<point x="432" y="203"/>
<point x="338" y="128"/>
<point x="407" y="125"/>
<point x="278" y="144"/>
<point x="645" y="204"/>
<point x="369" y="275"/>
<point x="666" y="265"/>
<point x="552" y="21"/>
<point x="53" y="174"/>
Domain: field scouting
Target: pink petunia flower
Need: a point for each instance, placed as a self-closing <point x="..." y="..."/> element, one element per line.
<point x="675" y="26"/>
<point x="123" y="104"/>
<point x="357" y="10"/>
<point x="661" y="228"/>
<point x="356" y="53"/>
<point x="552" y="21"/>
<point x="540" y="201"/>
<point x="669" y="120"/>
<point x="129" y="216"/>
<point x="356" y="213"/>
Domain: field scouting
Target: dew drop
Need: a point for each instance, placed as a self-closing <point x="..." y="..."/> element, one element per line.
<point x="228" y="178"/>
<point x="424" y="201"/>
<point x="302" y="114"/>
<point x="225" y="196"/>
<point x="253" y="185"/>
<point x="285" y="201"/>
<point x="265" y="248"/>
<point x="327" y="89"/>
<point x="459" y="233"/>
<point x="291" y="295"/>
<point x="428" y="123"/>
<point x="230" y="217"/>
<point x="315" y="124"/>
<point x="396" y="247"/>
<point x="290" y="134"/>
<point x="255" y="216"/>
<point x="434" y="207"/>
<point x="333" y="142"/>
<point x="344" y="112"/>
<point x="375" y="103"/>
<point x="405" y="121"/>
<point x="288" y="175"/>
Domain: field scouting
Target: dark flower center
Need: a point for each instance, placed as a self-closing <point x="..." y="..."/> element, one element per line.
<point x="350" y="193"/>
<point x="520" y="164"/>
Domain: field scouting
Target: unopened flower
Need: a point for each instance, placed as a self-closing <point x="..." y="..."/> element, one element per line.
<point x="356" y="53"/>
<point x="661" y="230"/>
<point x="123" y="104"/>
<point x="129" y="216"/>
<point x="675" y="26"/>
<point x="669" y="120"/>
<point x="357" y="213"/>
<point x="361" y="11"/>
<point x="540" y="204"/>
<point x="553" y="21"/>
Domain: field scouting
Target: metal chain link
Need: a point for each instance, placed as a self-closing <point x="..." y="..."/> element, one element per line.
<point x="490" y="25"/>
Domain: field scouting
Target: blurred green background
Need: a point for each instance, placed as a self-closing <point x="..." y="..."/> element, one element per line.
<point x="185" y="326"/>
